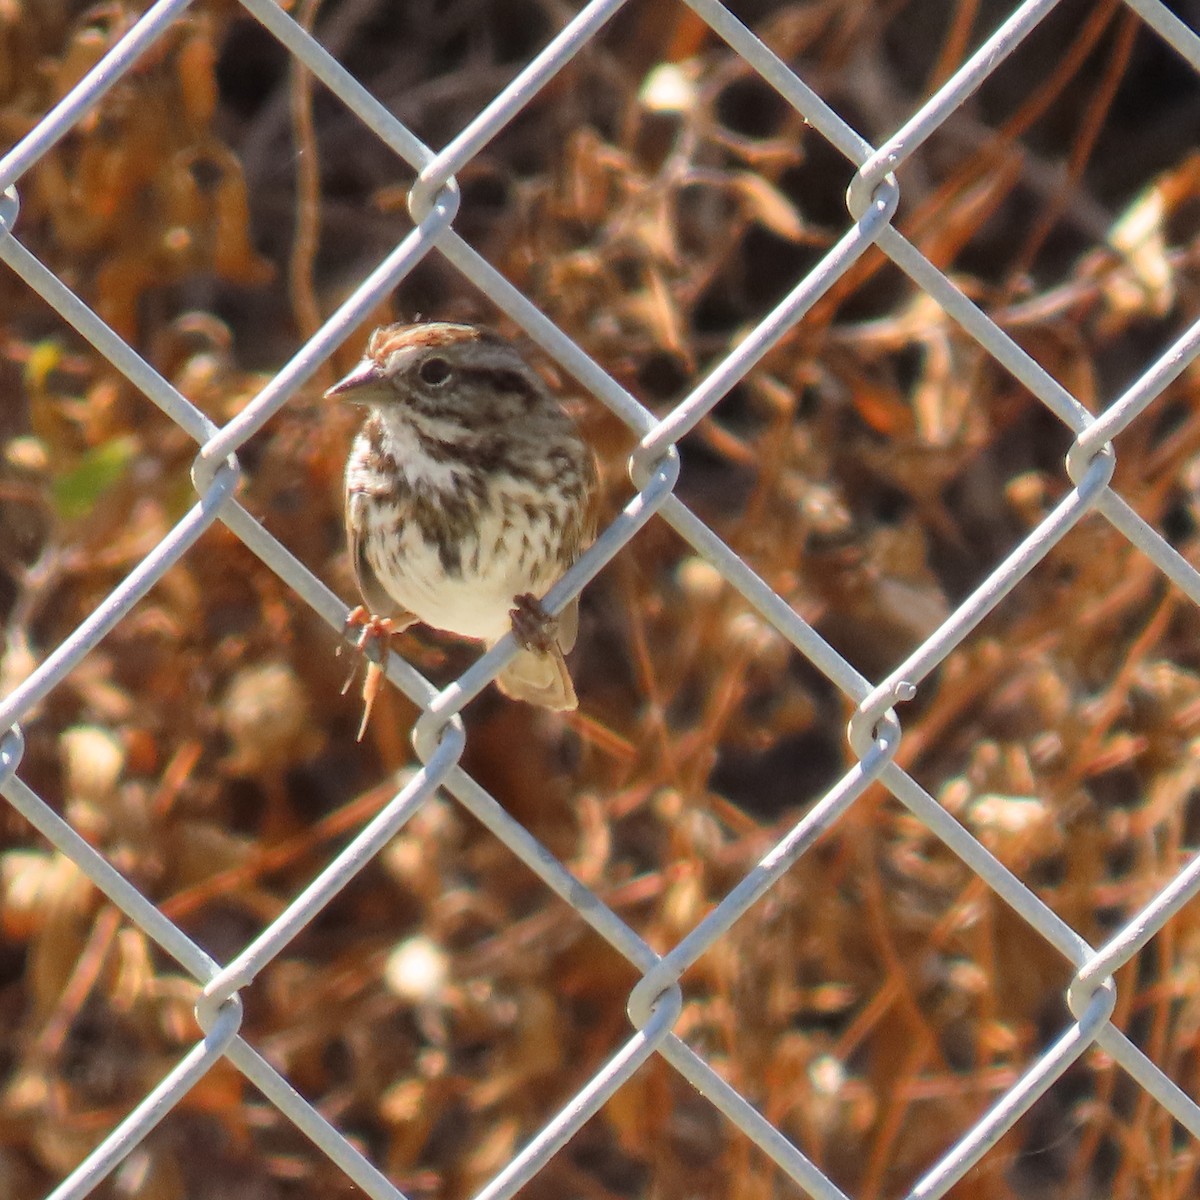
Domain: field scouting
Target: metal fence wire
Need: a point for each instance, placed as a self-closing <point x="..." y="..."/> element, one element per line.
<point x="875" y="732"/>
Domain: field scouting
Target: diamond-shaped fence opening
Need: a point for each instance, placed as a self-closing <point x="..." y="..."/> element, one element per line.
<point x="686" y="940"/>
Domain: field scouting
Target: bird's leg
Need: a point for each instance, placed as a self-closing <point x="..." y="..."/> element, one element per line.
<point x="532" y="626"/>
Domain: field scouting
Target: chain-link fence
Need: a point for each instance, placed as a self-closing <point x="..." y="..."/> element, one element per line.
<point x="875" y="733"/>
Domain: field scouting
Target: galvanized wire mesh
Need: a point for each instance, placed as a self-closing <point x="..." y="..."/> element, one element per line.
<point x="875" y="731"/>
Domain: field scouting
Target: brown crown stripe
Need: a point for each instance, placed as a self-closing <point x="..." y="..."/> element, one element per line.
<point x="395" y="337"/>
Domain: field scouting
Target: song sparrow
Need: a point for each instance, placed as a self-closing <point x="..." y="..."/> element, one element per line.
<point x="469" y="491"/>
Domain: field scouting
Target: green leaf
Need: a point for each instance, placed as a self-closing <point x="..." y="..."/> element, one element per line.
<point x="75" y="492"/>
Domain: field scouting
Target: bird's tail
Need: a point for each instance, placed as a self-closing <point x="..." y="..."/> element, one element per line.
<point x="539" y="677"/>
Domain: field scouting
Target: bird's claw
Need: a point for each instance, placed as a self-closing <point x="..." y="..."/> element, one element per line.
<point x="533" y="627"/>
<point x="373" y="630"/>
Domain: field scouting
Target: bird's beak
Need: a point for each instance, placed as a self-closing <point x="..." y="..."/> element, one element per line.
<point x="366" y="383"/>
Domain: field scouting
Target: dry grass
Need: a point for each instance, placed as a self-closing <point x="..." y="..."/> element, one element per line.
<point x="873" y="469"/>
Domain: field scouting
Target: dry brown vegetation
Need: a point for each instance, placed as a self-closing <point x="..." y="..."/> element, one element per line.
<point x="873" y="470"/>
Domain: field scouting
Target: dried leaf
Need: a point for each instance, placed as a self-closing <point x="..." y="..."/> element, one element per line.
<point x="1138" y="235"/>
<point x="766" y="204"/>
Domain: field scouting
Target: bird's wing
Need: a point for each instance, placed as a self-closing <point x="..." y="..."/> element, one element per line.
<point x="377" y="597"/>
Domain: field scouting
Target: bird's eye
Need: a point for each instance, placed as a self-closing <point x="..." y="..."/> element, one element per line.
<point x="434" y="371"/>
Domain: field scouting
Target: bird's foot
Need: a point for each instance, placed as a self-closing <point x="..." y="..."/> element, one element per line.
<point x="371" y="631"/>
<point x="376" y="631"/>
<point x="532" y="626"/>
